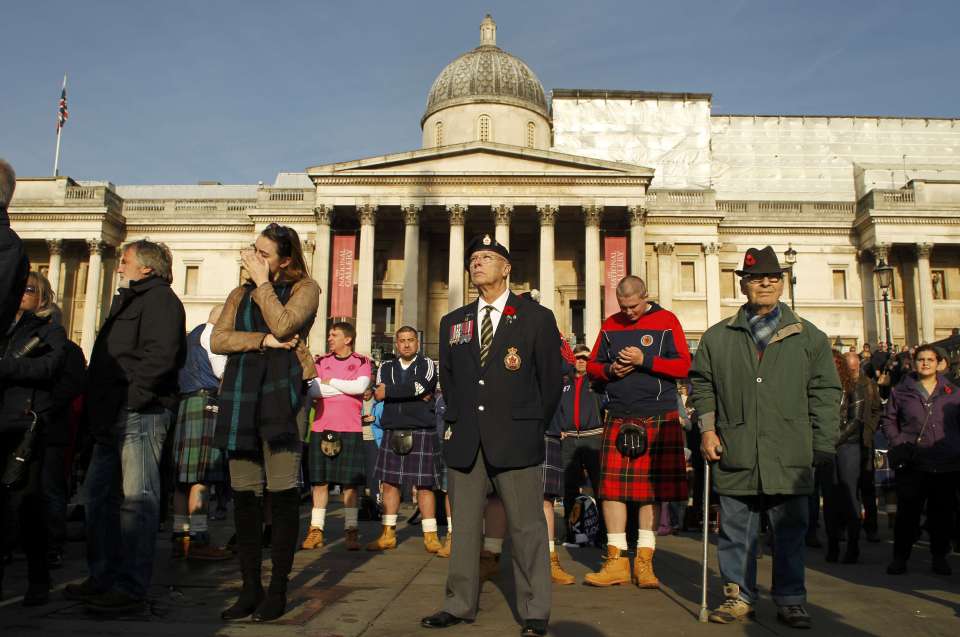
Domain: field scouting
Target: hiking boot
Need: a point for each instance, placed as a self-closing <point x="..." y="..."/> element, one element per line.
<point x="643" y="575"/>
<point x="733" y="609"/>
<point x="115" y="602"/>
<point x="181" y="547"/>
<point x="81" y="592"/>
<point x="431" y="542"/>
<point x="557" y="574"/>
<point x="794" y="616"/>
<point x="386" y="541"/>
<point x="940" y="565"/>
<point x="614" y="571"/>
<point x="447" y="546"/>
<point x="351" y="540"/>
<point x="489" y="565"/>
<point x="206" y="551"/>
<point x="314" y="539"/>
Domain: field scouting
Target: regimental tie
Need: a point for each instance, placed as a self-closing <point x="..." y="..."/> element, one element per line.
<point x="486" y="335"/>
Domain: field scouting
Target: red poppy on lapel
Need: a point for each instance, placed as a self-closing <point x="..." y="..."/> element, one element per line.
<point x="509" y="310"/>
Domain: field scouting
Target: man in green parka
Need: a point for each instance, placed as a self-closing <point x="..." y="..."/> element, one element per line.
<point x="768" y="394"/>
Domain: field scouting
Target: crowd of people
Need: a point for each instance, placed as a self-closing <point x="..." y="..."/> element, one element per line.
<point x="508" y="422"/>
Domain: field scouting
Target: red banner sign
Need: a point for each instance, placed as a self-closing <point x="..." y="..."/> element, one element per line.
<point x="341" y="278"/>
<point x="615" y="260"/>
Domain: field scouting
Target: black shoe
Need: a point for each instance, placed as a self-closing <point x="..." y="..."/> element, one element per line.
<point x="534" y="628"/>
<point x="897" y="567"/>
<point x="940" y="566"/>
<point x="794" y="616"/>
<point x="443" y="619"/>
<point x="115" y="603"/>
<point x="81" y="592"/>
<point x="273" y="606"/>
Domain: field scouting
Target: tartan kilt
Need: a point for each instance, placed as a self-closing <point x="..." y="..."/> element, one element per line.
<point x="346" y="469"/>
<point x="195" y="458"/>
<point x="419" y="468"/>
<point x="552" y="469"/>
<point x="659" y="475"/>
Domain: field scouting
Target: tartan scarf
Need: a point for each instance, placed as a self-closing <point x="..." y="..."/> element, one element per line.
<point x="261" y="391"/>
<point x="762" y="328"/>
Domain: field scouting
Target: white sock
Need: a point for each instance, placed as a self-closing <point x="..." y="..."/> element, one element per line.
<point x="318" y="517"/>
<point x="553" y="546"/>
<point x="618" y="540"/>
<point x="389" y="520"/>
<point x="646" y="539"/>
<point x="493" y="544"/>
<point x="449" y="526"/>
<point x="181" y="524"/>
<point x="429" y="525"/>
<point x="350" y="517"/>
<point x="198" y="523"/>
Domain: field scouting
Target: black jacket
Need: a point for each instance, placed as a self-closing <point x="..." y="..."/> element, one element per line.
<point x="137" y="354"/>
<point x="71" y="382"/>
<point x="590" y="416"/>
<point x="27" y="383"/>
<point x="505" y="410"/>
<point x="404" y="406"/>
<point x="14" y="267"/>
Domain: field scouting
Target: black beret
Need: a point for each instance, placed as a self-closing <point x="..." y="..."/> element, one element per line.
<point x="484" y="242"/>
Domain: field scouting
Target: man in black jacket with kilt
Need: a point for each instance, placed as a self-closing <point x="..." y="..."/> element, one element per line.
<point x="500" y="368"/>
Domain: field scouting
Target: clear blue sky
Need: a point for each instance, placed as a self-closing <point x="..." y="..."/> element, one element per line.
<point x="236" y="91"/>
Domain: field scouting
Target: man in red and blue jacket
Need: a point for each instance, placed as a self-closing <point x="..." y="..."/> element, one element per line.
<point x="640" y="354"/>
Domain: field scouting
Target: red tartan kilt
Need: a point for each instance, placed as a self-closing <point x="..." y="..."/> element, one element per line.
<point x="659" y="475"/>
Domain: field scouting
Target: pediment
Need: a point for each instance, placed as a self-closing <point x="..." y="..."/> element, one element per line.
<point x="481" y="158"/>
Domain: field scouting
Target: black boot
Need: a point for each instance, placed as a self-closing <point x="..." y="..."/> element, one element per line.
<point x="852" y="554"/>
<point x="248" y="520"/>
<point x="285" y="506"/>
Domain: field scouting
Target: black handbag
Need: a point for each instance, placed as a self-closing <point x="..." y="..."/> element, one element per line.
<point x="401" y="441"/>
<point x="632" y="440"/>
<point x="18" y="462"/>
<point x="905" y="454"/>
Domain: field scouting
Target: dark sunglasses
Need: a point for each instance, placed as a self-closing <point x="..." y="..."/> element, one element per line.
<point x="30" y="289"/>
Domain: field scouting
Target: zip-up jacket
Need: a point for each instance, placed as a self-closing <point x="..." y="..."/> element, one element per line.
<point x="590" y="415"/>
<point x="908" y="408"/>
<point x="651" y="389"/>
<point x="404" y="406"/>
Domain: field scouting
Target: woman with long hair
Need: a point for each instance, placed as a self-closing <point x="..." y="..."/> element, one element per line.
<point x="263" y="329"/>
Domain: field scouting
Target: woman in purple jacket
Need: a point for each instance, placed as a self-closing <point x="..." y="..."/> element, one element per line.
<point x="922" y="423"/>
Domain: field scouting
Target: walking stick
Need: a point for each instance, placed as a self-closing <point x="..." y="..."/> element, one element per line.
<point x="704" y="613"/>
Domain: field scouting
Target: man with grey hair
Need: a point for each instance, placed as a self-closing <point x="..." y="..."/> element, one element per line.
<point x="133" y="391"/>
<point x="14" y="264"/>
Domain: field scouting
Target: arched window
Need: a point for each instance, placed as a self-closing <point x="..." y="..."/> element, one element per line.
<point x="439" y="134"/>
<point x="531" y="134"/>
<point x="483" y="128"/>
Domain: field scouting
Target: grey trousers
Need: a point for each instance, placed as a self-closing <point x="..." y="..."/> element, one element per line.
<point x="522" y="493"/>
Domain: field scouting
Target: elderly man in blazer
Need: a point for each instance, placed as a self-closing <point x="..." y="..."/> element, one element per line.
<point x="500" y="368"/>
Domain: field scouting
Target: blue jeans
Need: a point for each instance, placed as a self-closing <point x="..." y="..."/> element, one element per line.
<point x="122" y="502"/>
<point x="737" y="545"/>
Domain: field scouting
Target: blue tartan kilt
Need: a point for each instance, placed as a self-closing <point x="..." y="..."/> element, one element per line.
<point x="419" y="468"/>
<point x="196" y="459"/>
<point x="552" y="469"/>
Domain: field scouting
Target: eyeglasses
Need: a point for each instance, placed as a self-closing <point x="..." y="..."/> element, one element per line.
<point x="30" y="289"/>
<point x="756" y="279"/>
<point x="484" y="258"/>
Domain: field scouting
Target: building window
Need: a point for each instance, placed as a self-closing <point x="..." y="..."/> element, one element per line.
<point x="688" y="276"/>
<point x="939" y="280"/>
<point x="531" y="134"/>
<point x="483" y="128"/>
<point x="191" y="284"/>
<point x="439" y="136"/>
<point x="728" y="284"/>
<point x="840" y="284"/>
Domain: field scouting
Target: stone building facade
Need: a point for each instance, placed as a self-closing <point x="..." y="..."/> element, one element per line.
<point x="687" y="190"/>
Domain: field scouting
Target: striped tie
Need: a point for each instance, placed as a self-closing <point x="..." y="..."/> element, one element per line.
<point x="486" y="335"/>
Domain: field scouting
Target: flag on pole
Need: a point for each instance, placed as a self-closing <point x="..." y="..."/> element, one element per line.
<point x="62" y="114"/>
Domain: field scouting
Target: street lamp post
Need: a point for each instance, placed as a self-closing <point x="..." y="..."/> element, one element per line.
<point x="884" y="274"/>
<point x="790" y="256"/>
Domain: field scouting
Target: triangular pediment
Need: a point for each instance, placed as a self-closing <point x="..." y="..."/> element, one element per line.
<point x="481" y="158"/>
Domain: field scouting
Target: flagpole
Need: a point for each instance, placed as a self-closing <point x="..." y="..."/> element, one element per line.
<point x="56" y="157"/>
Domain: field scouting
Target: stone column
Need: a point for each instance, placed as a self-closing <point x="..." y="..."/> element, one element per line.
<point x="711" y="253"/>
<point x="458" y="215"/>
<point x="91" y="300"/>
<point x="665" y="272"/>
<point x="592" y="216"/>
<point x="368" y="221"/>
<point x="501" y="220"/>
<point x="320" y="269"/>
<point x="53" y="274"/>
<point x="548" y="286"/>
<point x="411" y="267"/>
<point x="637" y="215"/>
<point x="927" y="334"/>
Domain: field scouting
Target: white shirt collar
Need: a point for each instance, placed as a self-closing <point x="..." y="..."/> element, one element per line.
<point x="498" y="305"/>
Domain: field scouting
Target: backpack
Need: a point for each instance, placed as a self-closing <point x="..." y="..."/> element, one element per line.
<point x="584" y="521"/>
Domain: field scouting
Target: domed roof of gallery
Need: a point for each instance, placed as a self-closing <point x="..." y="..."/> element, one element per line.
<point x="487" y="74"/>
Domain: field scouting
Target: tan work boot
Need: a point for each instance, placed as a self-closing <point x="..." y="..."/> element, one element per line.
<point x="489" y="565"/>
<point x="557" y="574"/>
<point x="447" y="546"/>
<point x="733" y="608"/>
<point x="643" y="569"/>
<point x="431" y="542"/>
<point x="314" y="539"/>
<point x="351" y="540"/>
<point x="386" y="541"/>
<point x="615" y="570"/>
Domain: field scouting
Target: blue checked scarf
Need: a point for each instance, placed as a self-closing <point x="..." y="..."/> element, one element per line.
<point x="762" y="328"/>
